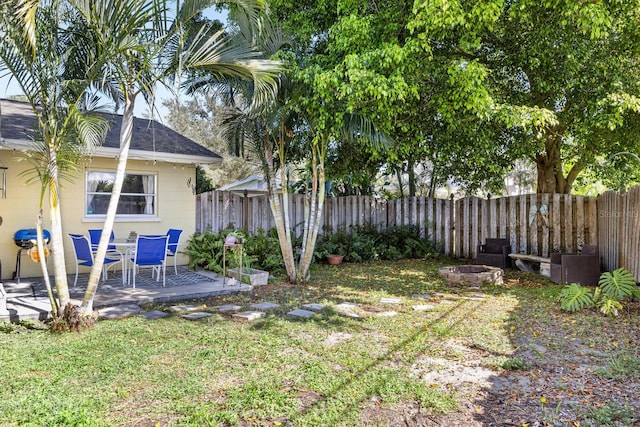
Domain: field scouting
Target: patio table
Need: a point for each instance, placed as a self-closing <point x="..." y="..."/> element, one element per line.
<point x="126" y="248"/>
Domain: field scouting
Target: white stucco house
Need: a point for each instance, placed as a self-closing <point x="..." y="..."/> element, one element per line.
<point x="159" y="191"/>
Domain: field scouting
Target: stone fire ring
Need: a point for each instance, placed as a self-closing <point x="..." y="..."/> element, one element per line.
<point x="471" y="274"/>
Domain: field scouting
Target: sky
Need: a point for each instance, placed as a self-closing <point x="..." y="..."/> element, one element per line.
<point x="142" y="109"/>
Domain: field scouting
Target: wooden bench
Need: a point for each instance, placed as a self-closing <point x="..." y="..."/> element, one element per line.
<point x="526" y="262"/>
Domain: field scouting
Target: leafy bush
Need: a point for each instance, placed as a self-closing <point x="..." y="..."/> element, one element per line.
<point x="367" y="244"/>
<point x="205" y="251"/>
<point x="261" y="251"/>
<point x="612" y="288"/>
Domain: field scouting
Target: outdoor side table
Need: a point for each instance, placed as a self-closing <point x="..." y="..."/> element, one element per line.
<point x="233" y="246"/>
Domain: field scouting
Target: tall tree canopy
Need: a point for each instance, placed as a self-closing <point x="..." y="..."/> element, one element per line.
<point x="468" y="87"/>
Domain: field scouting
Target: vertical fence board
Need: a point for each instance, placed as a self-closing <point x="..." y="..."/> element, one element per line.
<point x="568" y="223"/>
<point x="544" y="218"/>
<point x="532" y="223"/>
<point x="524" y="217"/>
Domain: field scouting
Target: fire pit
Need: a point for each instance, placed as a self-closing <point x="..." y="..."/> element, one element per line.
<point x="471" y="274"/>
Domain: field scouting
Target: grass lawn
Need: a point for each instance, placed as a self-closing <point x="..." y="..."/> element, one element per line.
<point x="502" y="355"/>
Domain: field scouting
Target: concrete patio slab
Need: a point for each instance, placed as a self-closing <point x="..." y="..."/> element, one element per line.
<point x="186" y="285"/>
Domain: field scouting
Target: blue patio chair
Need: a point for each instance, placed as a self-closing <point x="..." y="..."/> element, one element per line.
<point x="172" y="247"/>
<point x="84" y="256"/>
<point x="94" y="236"/>
<point x="150" y="251"/>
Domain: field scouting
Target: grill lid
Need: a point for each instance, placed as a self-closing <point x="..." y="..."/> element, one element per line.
<point x="24" y="236"/>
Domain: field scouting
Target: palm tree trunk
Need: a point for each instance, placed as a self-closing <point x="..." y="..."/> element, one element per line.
<point x="57" y="244"/>
<point x="316" y="214"/>
<point x="55" y="308"/>
<point x="126" y="131"/>
<point x="277" y="211"/>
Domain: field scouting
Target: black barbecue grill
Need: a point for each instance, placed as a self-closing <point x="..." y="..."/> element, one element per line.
<point x="25" y="239"/>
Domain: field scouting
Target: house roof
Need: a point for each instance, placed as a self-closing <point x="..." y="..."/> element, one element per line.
<point x="254" y="185"/>
<point x="150" y="140"/>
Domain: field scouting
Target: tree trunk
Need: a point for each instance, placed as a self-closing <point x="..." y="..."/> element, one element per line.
<point x="549" y="166"/>
<point x="412" y="178"/>
<point x="57" y="243"/>
<point x="318" y="196"/>
<point x="277" y="210"/>
<point x="125" y="141"/>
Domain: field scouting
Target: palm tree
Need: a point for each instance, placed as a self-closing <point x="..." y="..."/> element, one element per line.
<point x="143" y="43"/>
<point x="285" y="131"/>
<point x="41" y="51"/>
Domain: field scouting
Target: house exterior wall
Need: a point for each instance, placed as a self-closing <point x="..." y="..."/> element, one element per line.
<point x="175" y="208"/>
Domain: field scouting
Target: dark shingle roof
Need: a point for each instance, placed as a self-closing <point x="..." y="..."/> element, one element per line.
<point x="17" y="122"/>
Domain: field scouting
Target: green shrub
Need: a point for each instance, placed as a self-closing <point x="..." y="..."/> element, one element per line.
<point x="262" y="251"/>
<point x="367" y="244"/>
<point x="612" y="289"/>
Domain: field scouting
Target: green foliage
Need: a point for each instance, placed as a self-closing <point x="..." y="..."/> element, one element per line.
<point x="262" y="251"/>
<point x="205" y="250"/>
<point x="367" y="244"/>
<point x="613" y="288"/>
<point x="515" y="364"/>
<point x="611" y="414"/>
<point x="620" y="367"/>
<point x="574" y="297"/>
<point x="609" y="305"/>
<point x="619" y="284"/>
<point x="203" y="182"/>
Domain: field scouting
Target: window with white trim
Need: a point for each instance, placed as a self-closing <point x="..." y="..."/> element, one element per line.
<point x="138" y="197"/>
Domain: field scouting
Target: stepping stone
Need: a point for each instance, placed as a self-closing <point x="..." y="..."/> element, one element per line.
<point x="345" y="309"/>
<point x="346" y="305"/>
<point x="264" y="306"/>
<point x="154" y="314"/>
<point x="390" y="300"/>
<point x="184" y="308"/>
<point x="228" y="307"/>
<point x="314" y="307"/>
<point x="197" y="315"/>
<point x="298" y="312"/>
<point x="421" y="296"/>
<point x="473" y="298"/>
<point x="248" y="316"/>
<point x="387" y="314"/>
<point x="119" y="311"/>
<point x="423" y="307"/>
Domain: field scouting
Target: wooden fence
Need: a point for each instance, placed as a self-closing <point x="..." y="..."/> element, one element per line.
<point x="619" y="230"/>
<point x="534" y="223"/>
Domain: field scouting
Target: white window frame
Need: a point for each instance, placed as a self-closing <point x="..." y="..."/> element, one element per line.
<point x="91" y="217"/>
